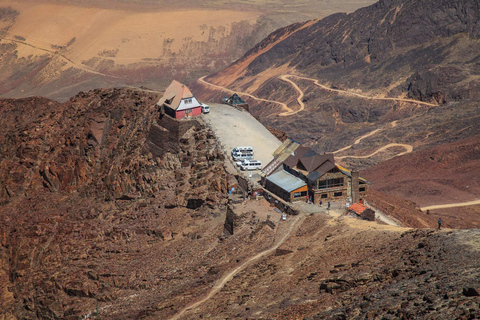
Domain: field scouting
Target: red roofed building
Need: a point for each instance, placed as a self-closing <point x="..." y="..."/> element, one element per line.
<point x="179" y="102"/>
<point x="362" y="211"/>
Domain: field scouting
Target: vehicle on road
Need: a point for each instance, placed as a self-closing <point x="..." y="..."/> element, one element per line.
<point x="251" y="165"/>
<point x="205" y="108"/>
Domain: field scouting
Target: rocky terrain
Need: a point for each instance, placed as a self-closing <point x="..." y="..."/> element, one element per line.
<point x="89" y="188"/>
<point x="108" y="206"/>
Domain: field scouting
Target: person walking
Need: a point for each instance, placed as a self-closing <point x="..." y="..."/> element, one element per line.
<point x="439" y="223"/>
<point x="306" y="198"/>
<point x="320" y="203"/>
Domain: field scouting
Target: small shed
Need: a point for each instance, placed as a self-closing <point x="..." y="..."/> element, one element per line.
<point x="361" y="211"/>
<point x="179" y="102"/>
<point x="286" y="186"/>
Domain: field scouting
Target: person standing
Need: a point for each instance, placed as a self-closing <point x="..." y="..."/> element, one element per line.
<point x="306" y="198"/>
<point x="439" y="223"/>
<point x="320" y="203"/>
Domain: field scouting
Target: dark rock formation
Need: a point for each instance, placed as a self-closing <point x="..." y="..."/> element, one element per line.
<point x="88" y="189"/>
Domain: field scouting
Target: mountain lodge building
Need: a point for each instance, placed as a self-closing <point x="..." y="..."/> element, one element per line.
<point x="179" y="102"/>
<point x="297" y="171"/>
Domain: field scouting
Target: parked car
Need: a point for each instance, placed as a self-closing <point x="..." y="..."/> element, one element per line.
<point x="251" y="165"/>
<point x="240" y="156"/>
<point x="205" y="108"/>
<point x="242" y="149"/>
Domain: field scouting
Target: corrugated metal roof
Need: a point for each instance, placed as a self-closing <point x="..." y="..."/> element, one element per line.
<point x="358" y="208"/>
<point x="286" y="181"/>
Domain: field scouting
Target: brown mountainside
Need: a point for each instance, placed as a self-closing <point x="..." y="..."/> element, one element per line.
<point x="106" y="205"/>
<point x="385" y="80"/>
<point x="55" y="48"/>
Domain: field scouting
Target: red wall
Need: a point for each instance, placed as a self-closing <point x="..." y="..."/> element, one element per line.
<point x="194" y="112"/>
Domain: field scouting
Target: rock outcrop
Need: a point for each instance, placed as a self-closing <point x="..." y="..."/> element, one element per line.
<point x="89" y="191"/>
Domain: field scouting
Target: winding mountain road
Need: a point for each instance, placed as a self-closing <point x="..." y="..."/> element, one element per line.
<point x="229" y="276"/>
<point x="283" y="105"/>
<point x="408" y="149"/>
<point x="289" y="112"/>
<point x="315" y="81"/>
<point x="299" y="98"/>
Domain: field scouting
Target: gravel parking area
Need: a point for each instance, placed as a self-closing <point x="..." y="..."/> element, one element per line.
<point x="236" y="128"/>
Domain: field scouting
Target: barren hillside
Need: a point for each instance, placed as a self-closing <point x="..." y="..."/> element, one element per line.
<point x="57" y="48"/>
<point x="383" y="81"/>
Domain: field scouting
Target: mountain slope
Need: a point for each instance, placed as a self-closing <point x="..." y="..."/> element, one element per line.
<point x="375" y="47"/>
<point x="394" y="66"/>
<point x="57" y="48"/>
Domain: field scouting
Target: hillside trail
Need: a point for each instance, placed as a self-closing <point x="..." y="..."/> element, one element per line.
<point x="299" y="98"/>
<point x="451" y="205"/>
<point x="62" y="56"/>
<point x="408" y="149"/>
<point x="283" y="105"/>
<point x="315" y="81"/>
<point x="229" y="276"/>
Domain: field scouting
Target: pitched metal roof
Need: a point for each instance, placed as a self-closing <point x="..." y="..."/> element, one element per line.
<point x="286" y="181"/>
<point x="174" y="94"/>
<point x="321" y="170"/>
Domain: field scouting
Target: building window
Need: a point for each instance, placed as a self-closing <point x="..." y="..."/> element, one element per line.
<point x="330" y="183"/>
<point x="338" y="194"/>
<point x="362" y="189"/>
<point x="324" y="195"/>
<point x="300" y="194"/>
<point x="188" y="101"/>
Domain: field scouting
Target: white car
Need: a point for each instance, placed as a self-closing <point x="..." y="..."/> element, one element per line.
<point x="251" y="165"/>
<point x="205" y="108"/>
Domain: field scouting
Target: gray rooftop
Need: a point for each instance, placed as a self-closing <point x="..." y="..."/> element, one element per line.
<point x="286" y="181"/>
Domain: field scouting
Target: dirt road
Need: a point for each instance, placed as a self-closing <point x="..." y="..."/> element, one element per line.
<point x="283" y="105"/>
<point x="346" y="92"/>
<point x="452" y="205"/>
<point x="408" y="149"/>
<point x="227" y="277"/>
<point x="299" y="98"/>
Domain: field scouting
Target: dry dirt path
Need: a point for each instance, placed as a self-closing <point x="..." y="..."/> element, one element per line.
<point x="315" y="81"/>
<point x="229" y="276"/>
<point x="451" y="205"/>
<point x="299" y="98"/>
<point x="371" y="133"/>
<point x="203" y="81"/>
<point x="408" y="149"/>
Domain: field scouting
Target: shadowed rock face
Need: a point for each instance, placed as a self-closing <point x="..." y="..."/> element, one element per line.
<point x="376" y="46"/>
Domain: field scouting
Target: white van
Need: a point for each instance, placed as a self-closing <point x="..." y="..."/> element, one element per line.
<point x="205" y="108"/>
<point x="251" y="165"/>
<point x="240" y="156"/>
<point x="242" y="149"/>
